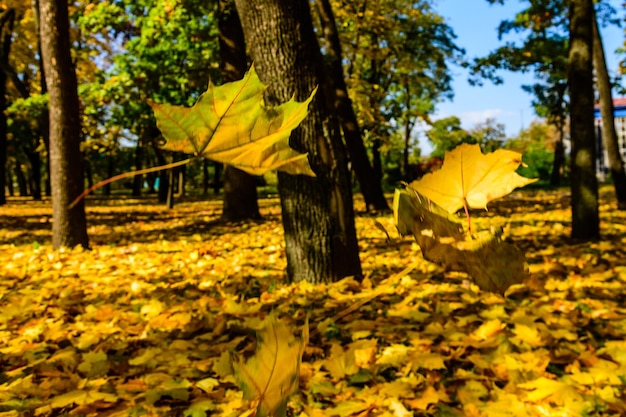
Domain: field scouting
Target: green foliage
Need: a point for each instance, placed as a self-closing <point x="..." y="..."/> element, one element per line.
<point x="536" y="143"/>
<point x="446" y="134"/>
<point x="397" y="56"/>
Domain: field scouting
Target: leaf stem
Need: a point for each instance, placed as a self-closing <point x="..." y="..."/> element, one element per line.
<point x="126" y="175"/>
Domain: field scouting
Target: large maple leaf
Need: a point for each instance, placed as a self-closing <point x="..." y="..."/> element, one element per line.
<point x="471" y="179"/>
<point x="271" y="376"/>
<point x="231" y="124"/>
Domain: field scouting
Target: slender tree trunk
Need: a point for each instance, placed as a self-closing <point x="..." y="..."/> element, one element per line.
<point x="138" y="179"/>
<point x="44" y="124"/>
<point x="170" y="189"/>
<point x="21" y="180"/>
<point x="9" y="182"/>
<point x="609" y="134"/>
<point x="69" y="226"/>
<point x="584" y="183"/>
<point x="205" y="176"/>
<point x="6" y="35"/>
<point x="318" y="213"/>
<point x="370" y="186"/>
<point x="110" y="173"/>
<point x="559" y="154"/>
<point x="217" y="177"/>
<point x="34" y="158"/>
<point x="240" y="196"/>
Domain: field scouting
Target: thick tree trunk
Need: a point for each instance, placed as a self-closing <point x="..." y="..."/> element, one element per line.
<point x="584" y="183"/>
<point x="318" y="215"/>
<point x="69" y="226"/>
<point x="240" y="196"/>
<point x="609" y="134"/>
<point x="6" y="35"/>
<point x="370" y="186"/>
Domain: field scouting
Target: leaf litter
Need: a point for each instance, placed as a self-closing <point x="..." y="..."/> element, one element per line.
<point x="148" y="322"/>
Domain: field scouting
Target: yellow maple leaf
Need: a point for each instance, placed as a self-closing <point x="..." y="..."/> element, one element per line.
<point x="471" y="179"/>
<point x="231" y="124"/>
<point x="271" y="376"/>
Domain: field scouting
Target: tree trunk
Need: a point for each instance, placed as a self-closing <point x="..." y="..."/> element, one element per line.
<point x="559" y="154"/>
<point x="205" y="176"/>
<point x="318" y="213"/>
<point x="9" y="182"/>
<point x="44" y="124"/>
<point x="169" y="202"/>
<point x="217" y="177"/>
<point x="6" y="34"/>
<point x="69" y="226"/>
<point x="34" y="158"/>
<point x="138" y="179"/>
<point x="240" y="196"/>
<point x="370" y="186"/>
<point x="21" y="180"/>
<point x="110" y="173"/>
<point x="584" y="183"/>
<point x="609" y="134"/>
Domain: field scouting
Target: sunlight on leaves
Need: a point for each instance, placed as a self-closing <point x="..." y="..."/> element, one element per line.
<point x="471" y="179"/>
<point x="231" y="124"/>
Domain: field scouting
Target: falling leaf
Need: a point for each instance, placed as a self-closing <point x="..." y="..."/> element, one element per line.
<point x="270" y="377"/>
<point x="493" y="264"/>
<point x="471" y="179"/>
<point x="232" y="125"/>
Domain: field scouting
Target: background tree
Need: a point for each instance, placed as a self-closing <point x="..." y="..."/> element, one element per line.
<point x="69" y="227"/>
<point x="544" y="51"/>
<point x="397" y="58"/>
<point x="369" y="182"/>
<point x="167" y="52"/>
<point x="318" y="216"/>
<point x="609" y="134"/>
<point x="584" y="184"/>
<point x="6" y="35"/>
<point x="446" y="134"/>
<point x="240" y="195"/>
<point x="536" y="144"/>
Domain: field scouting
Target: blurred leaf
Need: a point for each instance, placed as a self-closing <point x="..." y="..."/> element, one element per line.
<point x="270" y="377"/>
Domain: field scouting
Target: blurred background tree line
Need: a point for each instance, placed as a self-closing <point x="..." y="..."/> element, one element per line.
<point x="389" y="63"/>
<point x="396" y="57"/>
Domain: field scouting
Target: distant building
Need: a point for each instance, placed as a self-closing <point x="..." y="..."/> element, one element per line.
<point x="619" y="111"/>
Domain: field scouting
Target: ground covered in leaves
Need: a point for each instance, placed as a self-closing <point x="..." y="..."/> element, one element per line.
<point x="143" y="323"/>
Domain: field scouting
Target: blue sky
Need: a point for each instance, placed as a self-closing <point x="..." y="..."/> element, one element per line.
<point x="475" y="23"/>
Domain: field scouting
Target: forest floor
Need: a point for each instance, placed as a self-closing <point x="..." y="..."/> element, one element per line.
<point x="143" y="323"/>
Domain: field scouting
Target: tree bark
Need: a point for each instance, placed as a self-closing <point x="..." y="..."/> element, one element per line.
<point x="69" y="226"/>
<point x="44" y="124"/>
<point x="138" y="179"/>
<point x="609" y="134"/>
<point x="371" y="186"/>
<point x="318" y="213"/>
<point x="6" y="35"/>
<point x="584" y="183"/>
<point x="559" y="153"/>
<point x="240" y="196"/>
